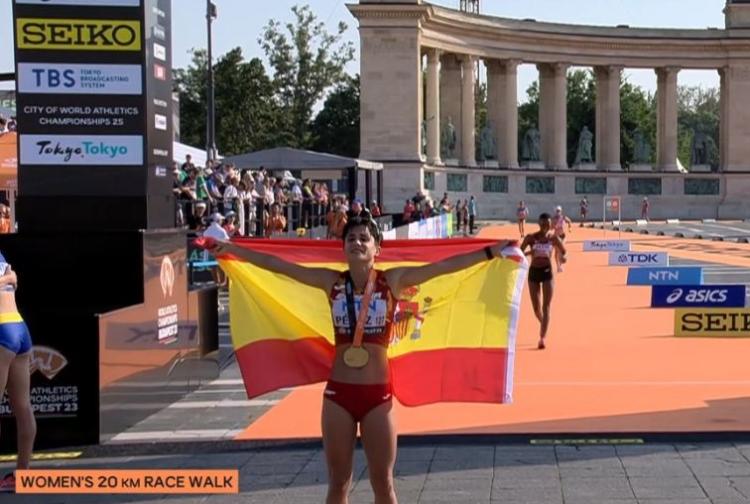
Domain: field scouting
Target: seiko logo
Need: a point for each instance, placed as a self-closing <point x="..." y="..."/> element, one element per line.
<point x="79" y="34"/>
<point x="715" y="322"/>
<point x="161" y="152"/>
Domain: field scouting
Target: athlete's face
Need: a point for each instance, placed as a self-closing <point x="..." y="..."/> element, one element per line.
<point x="360" y="245"/>
<point x="544" y="225"/>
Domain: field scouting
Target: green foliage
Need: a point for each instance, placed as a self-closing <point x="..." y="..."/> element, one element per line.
<point x="307" y="61"/>
<point x="246" y="112"/>
<point x="336" y="127"/>
<point x="698" y="110"/>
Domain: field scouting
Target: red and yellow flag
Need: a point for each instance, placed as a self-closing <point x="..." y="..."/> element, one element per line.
<point x="453" y="337"/>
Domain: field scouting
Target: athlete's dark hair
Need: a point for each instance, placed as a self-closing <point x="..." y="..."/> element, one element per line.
<point x="545" y="215"/>
<point x="363" y="219"/>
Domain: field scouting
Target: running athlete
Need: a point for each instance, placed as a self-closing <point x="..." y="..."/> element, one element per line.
<point x="15" y="364"/>
<point x="522" y="212"/>
<point x="541" y="280"/>
<point x="558" y="226"/>
<point x="359" y="387"/>
<point x="584" y="210"/>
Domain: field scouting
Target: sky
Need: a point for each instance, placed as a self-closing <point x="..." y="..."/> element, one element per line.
<point x="240" y="23"/>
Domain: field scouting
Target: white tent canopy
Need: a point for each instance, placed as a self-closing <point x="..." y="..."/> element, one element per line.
<point x="180" y="150"/>
<point x="286" y="158"/>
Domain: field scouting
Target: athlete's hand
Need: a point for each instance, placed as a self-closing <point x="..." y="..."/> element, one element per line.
<point x="563" y="259"/>
<point x="498" y="248"/>
<point x="221" y="247"/>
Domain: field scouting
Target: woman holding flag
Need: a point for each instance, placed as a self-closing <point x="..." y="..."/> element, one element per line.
<point x="363" y="302"/>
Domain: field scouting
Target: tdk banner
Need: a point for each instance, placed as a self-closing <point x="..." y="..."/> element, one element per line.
<point x="698" y="296"/>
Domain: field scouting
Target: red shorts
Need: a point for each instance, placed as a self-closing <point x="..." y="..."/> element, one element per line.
<point x="358" y="398"/>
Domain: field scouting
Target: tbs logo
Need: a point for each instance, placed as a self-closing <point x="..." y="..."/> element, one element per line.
<point x="54" y="78"/>
<point x="695" y="296"/>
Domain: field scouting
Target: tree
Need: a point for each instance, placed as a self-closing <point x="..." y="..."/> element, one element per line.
<point x="306" y="61"/>
<point x="637" y="112"/>
<point x="336" y="127"/>
<point x="246" y="115"/>
<point x="698" y="111"/>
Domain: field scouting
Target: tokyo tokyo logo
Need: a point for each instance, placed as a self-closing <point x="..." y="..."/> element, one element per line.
<point x="81" y="150"/>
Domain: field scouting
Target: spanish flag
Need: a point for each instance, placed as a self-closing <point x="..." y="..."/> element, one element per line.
<point x="453" y="337"/>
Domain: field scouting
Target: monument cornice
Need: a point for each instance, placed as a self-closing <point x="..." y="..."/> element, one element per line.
<point x="364" y="11"/>
<point x="534" y="42"/>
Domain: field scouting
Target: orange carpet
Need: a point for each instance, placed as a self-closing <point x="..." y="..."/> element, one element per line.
<point x="611" y="364"/>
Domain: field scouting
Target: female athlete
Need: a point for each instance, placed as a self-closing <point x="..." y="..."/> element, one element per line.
<point x="359" y="388"/>
<point x="541" y="280"/>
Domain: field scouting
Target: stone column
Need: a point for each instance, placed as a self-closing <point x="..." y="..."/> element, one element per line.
<point x="602" y="75"/>
<point x="735" y="117"/>
<point x="724" y="115"/>
<point x="607" y="136"/>
<point x="613" y="119"/>
<point x="545" y="102"/>
<point x="666" y="119"/>
<point x="390" y="66"/>
<point x="432" y="107"/>
<point x="450" y="97"/>
<point x="468" y="133"/>
<point x="553" y="114"/>
<point x="502" y="102"/>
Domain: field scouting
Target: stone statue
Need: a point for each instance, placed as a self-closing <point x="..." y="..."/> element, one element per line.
<point x="641" y="148"/>
<point x="448" y="140"/>
<point x="700" y="149"/>
<point x="585" y="142"/>
<point x="424" y="137"/>
<point x="487" y="142"/>
<point x="530" y="146"/>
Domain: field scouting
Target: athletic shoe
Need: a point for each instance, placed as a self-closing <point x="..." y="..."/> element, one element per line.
<point x="541" y="345"/>
<point x="8" y="483"/>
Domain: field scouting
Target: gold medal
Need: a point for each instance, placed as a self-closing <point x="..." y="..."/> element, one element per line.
<point x="356" y="357"/>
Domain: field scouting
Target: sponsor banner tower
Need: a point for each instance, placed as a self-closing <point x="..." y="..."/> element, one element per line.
<point x="101" y="267"/>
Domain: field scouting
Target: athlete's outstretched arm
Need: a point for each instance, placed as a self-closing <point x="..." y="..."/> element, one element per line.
<point x="321" y="278"/>
<point x="400" y="278"/>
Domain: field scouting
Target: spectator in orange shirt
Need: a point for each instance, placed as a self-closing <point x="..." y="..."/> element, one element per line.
<point x="276" y="222"/>
<point x="4" y="219"/>
<point x="339" y="221"/>
<point x="375" y="209"/>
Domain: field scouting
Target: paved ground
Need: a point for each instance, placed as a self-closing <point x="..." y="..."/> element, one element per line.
<point x="463" y="474"/>
<point x="737" y="231"/>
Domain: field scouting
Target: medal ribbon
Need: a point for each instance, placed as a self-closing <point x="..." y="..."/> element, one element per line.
<point x="359" y="329"/>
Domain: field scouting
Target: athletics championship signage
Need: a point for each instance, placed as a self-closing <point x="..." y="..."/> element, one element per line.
<point x="94" y="84"/>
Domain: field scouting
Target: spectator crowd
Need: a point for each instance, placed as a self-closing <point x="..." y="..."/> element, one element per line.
<point x="420" y="207"/>
<point x="255" y="202"/>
